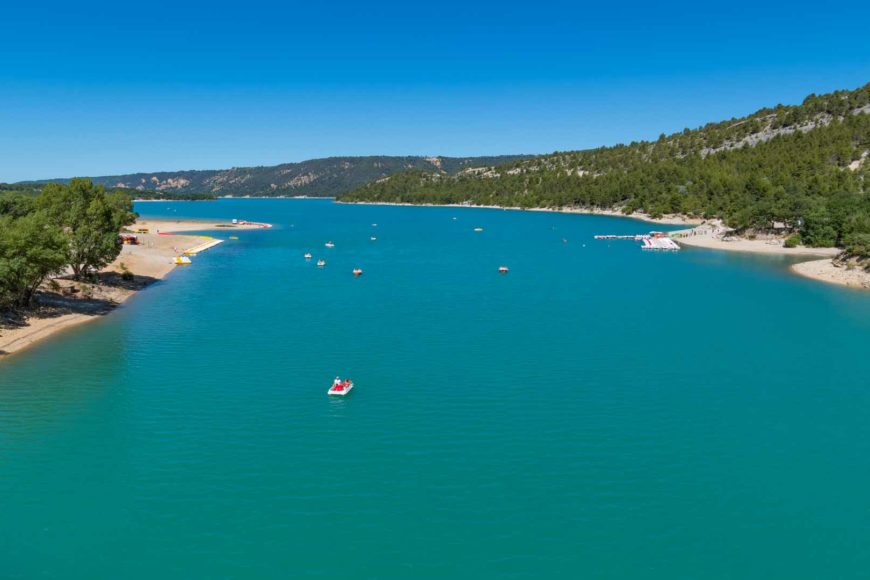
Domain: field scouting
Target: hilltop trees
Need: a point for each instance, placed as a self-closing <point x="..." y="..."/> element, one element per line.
<point x="90" y="219"/>
<point x="15" y="204"/>
<point x="71" y="226"/>
<point x="31" y="249"/>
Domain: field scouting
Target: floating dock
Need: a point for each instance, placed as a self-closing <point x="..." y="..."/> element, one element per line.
<point x="666" y="244"/>
<point x="636" y="237"/>
<point x="209" y="243"/>
<point x="651" y="241"/>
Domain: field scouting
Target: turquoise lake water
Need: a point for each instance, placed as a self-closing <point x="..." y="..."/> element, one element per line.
<point x="598" y="412"/>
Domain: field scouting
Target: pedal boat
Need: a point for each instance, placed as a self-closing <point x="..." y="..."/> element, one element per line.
<point x="341" y="389"/>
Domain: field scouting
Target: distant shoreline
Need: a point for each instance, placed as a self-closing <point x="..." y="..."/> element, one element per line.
<point x="672" y="219"/>
<point x="218" y="198"/>
<point x="707" y="234"/>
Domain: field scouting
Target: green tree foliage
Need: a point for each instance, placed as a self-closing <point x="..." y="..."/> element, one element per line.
<point x="15" y="204"/>
<point x="167" y="195"/>
<point x="858" y="244"/>
<point x="41" y="234"/>
<point x="31" y="249"/>
<point x="792" y="241"/>
<point x="805" y="167"/>
<point x="90" y="219"/>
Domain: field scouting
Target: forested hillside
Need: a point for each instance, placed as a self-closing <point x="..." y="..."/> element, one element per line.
<point x="316" y="177"/>
<point x="18" y="193"/>
<point x="804" y="166"/>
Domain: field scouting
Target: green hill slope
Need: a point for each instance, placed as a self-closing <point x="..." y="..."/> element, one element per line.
<point x="805" y="166"/>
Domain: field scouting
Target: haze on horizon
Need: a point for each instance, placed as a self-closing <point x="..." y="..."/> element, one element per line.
<point x="101" y="89"/>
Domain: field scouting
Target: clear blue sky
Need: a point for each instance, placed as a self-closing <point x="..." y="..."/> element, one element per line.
<point x="96" y="88"/>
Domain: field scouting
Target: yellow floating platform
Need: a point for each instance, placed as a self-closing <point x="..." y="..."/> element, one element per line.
<point x="202" y="247"/>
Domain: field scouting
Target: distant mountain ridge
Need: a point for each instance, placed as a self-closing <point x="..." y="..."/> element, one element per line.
<point x="330" y="176"/>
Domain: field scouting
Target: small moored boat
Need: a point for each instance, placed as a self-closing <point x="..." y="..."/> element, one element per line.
<point x="373" y="238"/>
<point x="502" y="269"/>
<point x="340" y="388"/>
<point x="307" y="255"/>
<point x="321" y="263"/>
<point x="357" y="272"/>
<point x="329" y="245"/>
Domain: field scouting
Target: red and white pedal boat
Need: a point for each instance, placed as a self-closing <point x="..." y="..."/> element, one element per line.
<point x="340" y="388"/>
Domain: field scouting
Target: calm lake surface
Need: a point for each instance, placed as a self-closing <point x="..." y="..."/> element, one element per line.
<point x="597" y="412"/>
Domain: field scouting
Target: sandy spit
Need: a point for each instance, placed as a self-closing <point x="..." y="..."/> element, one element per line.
<point x="827" y="271"/>
<point x="66" y="303"/>
<point x="716" y="237"/>
<point x="156" y="226"/>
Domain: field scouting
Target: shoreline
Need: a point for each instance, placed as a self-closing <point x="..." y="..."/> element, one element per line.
<point x="711" y="235"/>
<point x="671" y="219"/>
<point x="72" y="303"/>
<point x="152" y="260"/>
<point x="220" y="197"/>
<point x="165" y="226"/>
<point x="827" y="271"/>
<point x="714" y="236"/>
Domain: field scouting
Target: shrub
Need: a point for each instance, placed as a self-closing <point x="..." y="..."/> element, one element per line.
<point x="792" y="241"/>
<point x="126" y="274"/>
<point x="858" y="244"/>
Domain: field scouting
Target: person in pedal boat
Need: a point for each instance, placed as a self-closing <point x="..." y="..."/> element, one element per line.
<point x="336" y="384"/>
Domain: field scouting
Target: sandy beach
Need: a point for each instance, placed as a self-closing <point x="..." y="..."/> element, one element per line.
<point x="156" y="226"/>
<point x="63" y="303"/>
<point x="677" y="220"/>
<point x="715" y="236"/>
<point x="828" y="270"/>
